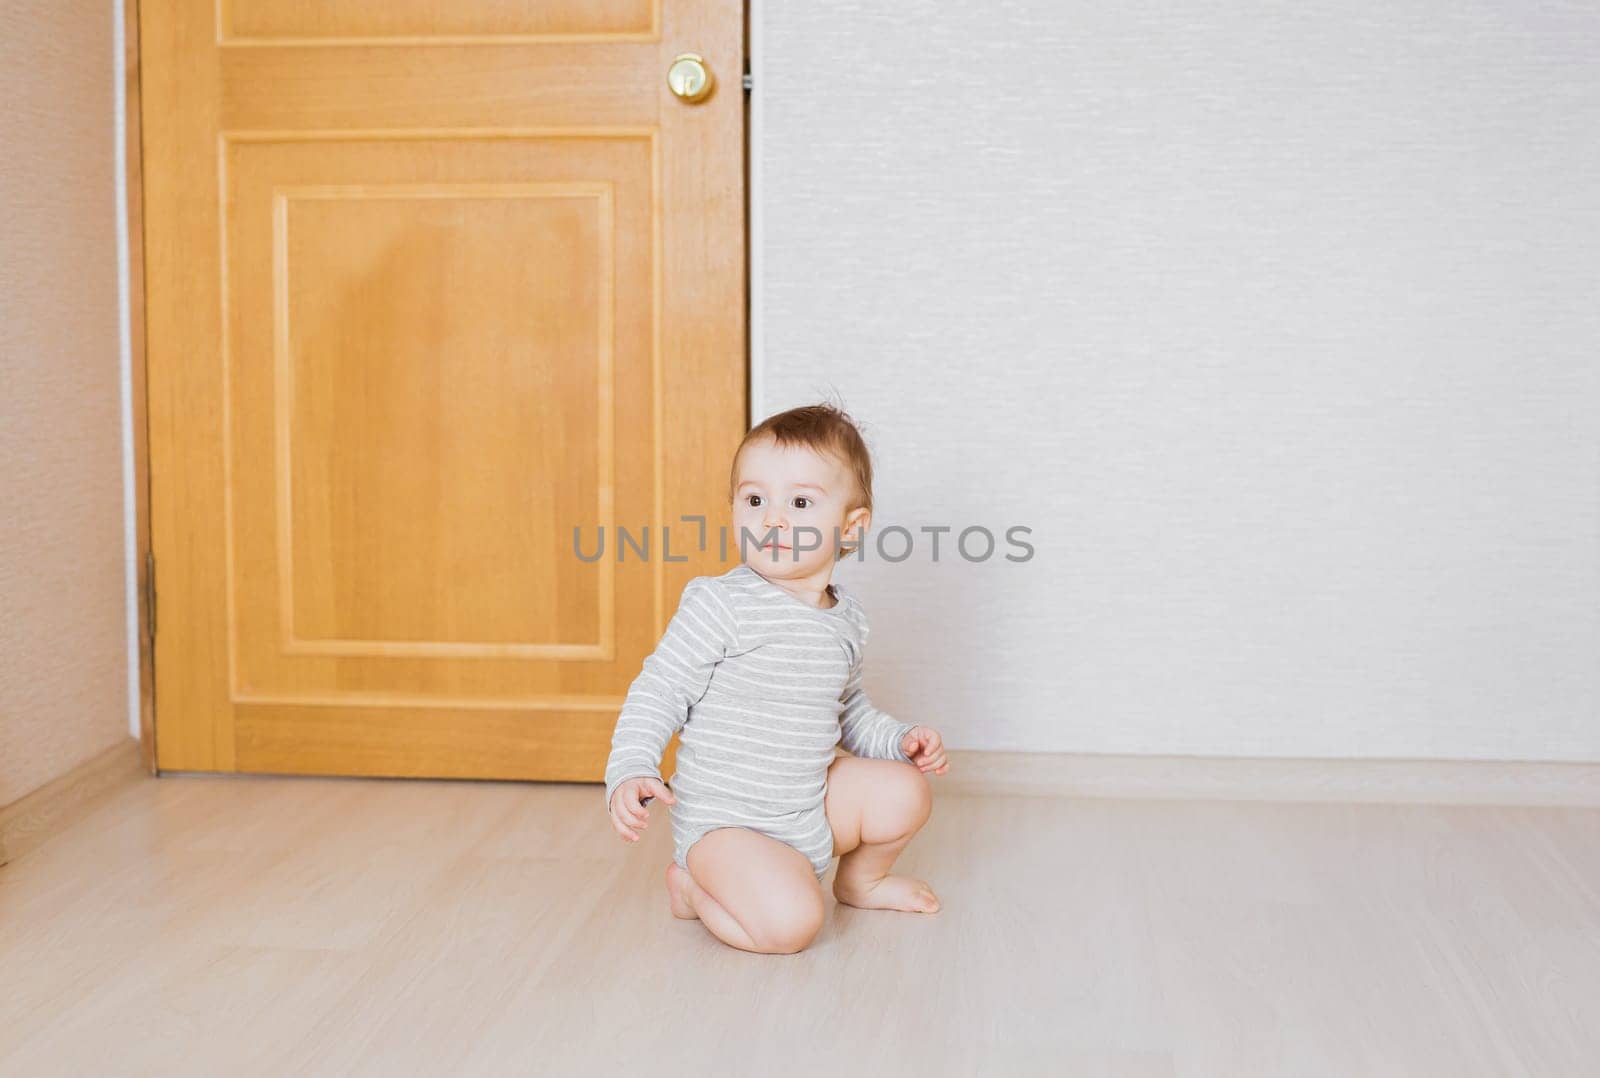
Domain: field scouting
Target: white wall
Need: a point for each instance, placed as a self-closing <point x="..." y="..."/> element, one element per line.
<point x="1279" y="325"/>
<point x="63" y="640"/>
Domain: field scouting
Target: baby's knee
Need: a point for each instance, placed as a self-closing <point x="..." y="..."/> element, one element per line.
<point x="789" y="926"/>
<point x="897" y="804"/>
<point x="910" y="795"/>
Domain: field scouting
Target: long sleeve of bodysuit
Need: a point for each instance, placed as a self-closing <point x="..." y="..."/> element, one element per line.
<point x="866" y="731"/>
<point x="673" y="678"/>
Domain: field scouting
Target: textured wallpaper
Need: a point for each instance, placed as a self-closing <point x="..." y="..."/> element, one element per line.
<point x="1279" y="325"/>
<point x="63" y="640"/>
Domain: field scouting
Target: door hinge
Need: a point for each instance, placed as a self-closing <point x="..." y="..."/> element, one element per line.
<point x="150" y="589"/>
<point x="749" y="81"/>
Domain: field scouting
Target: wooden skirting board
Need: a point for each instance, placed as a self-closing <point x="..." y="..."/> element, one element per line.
<point x="1463" y="782"/>
<point x="30" y="820"/>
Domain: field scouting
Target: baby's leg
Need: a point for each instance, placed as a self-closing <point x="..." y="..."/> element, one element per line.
<point x="874" y="808"/>
<point x="689" y="899"/>
<point x="750" y="891"/>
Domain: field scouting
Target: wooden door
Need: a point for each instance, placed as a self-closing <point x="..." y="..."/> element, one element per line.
<point x="431" y="285"/>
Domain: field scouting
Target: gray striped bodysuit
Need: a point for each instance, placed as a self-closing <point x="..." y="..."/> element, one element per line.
<point x="763" y="686"/>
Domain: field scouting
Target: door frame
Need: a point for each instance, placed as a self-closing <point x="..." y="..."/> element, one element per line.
<point x="133" y="221"/>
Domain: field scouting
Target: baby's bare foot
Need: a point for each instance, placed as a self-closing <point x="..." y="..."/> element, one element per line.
<point x="889" y="893"/>
<point x="679" y="887"/>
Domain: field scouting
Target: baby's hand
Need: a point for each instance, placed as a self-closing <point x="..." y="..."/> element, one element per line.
<point x="627" y="805"/>
<point x="931" y="746"/>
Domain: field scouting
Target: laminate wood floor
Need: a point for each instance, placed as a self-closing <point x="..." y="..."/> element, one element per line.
<point x="223" y="925"/>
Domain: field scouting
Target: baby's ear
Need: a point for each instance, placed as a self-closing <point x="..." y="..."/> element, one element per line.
<point x="857" y="521"/>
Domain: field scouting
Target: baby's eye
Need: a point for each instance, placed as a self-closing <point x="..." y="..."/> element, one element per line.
<point x="802" y="498"/>
<point x="753" y="500"/>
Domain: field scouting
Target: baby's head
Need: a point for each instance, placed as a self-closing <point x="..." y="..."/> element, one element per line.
<point x="807" y="468"/>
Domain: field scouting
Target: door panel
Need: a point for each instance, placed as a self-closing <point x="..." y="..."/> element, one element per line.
<point x="403" y="342"/>
<point x="316" y="21"/>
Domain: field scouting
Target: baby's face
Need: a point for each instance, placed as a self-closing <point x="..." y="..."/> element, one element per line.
<point x="795" y="505"/>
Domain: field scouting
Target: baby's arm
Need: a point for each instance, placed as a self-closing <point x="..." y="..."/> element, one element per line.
<point x="867" y="731"/>
<point x="674" y="677"/>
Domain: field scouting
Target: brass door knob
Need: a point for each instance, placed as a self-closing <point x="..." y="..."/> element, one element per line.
<point x="690" y="78"/>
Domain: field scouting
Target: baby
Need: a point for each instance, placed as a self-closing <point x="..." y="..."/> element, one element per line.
<point x="761" y="669"/>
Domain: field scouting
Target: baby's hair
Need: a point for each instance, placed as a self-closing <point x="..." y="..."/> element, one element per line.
<point x="822" y="428"/>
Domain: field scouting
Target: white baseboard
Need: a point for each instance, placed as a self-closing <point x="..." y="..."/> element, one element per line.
<point x="1029" y="774"/>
